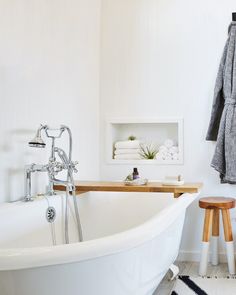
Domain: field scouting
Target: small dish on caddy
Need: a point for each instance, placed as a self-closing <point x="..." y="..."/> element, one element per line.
<point x="138" y="181"/>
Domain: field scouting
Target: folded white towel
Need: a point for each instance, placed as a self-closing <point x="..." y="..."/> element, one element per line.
<point x="126" y="151"/>
<point x="127" y="144"/>
<point x="127" y="157"/>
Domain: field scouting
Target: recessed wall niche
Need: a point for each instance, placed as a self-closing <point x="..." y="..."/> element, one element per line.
<point x="151" y="133"/>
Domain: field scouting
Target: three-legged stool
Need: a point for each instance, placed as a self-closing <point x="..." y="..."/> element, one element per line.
<point x="213" y="206"/>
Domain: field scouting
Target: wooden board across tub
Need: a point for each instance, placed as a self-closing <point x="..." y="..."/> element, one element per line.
<point x="87" y="186"/>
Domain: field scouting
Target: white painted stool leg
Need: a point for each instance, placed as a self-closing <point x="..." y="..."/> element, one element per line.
<point x="205" y="241"/>
<point x="204" y="259"/>
<point x="228" y="240"/>
<point x="215" y="250"/>
<point x="230" y="256"/>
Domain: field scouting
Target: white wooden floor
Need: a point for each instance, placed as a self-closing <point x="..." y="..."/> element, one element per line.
<point x="190" y="269"/>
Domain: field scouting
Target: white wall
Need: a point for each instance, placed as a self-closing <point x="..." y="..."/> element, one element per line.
<point x="49" y="73"/>
<point x="160" y="58"/>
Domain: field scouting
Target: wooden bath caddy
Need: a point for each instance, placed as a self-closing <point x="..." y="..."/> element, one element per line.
<point x="151" y="187"/>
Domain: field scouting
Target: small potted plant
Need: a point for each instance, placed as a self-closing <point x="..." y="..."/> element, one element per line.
<point x="148" y="151"/>
<point x="131" y="137"/>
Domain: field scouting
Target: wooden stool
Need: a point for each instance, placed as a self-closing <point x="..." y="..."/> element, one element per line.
<point x="212" y="206"/>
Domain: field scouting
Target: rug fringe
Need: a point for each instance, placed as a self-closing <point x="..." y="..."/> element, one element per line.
<point x="210" y="277"/>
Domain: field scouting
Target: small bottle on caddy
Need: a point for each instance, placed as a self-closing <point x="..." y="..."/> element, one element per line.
<point x="135" y="173"/>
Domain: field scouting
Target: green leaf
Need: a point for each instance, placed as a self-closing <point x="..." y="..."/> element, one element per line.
<point x="148" y="152"/>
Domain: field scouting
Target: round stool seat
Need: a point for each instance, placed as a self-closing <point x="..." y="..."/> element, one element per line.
<point x="217" y="202"/>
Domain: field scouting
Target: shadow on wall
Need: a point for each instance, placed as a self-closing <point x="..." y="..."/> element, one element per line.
<point x="15" y="154"/>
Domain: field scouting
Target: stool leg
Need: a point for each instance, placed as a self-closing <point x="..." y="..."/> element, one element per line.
<point x="228" y="240"/>
<point x="215" y="237"/>
<point x="205" y="242"/>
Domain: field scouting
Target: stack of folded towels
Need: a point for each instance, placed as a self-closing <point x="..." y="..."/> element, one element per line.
<point x="168" y="151"/>
<point x="127" y="150"/>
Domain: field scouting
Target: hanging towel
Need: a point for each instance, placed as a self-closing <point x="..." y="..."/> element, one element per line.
<point x="126" y="151"/>
<point x="222" y="127"/>
<point x="127" y="144"/>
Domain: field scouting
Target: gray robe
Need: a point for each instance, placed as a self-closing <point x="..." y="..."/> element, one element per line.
<point x="222" y="127"/>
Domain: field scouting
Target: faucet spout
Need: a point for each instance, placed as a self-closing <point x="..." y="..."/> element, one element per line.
<point x="29" y="169"/>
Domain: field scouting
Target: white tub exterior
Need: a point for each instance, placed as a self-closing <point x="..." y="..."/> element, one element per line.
<point x="131" y="239"/>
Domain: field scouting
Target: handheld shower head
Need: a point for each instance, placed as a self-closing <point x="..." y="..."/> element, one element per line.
<point x="52" y="133"/>
<point x="37" y="140"/>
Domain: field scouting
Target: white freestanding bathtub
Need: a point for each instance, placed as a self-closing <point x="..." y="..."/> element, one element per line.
<point x="130" y="241"/>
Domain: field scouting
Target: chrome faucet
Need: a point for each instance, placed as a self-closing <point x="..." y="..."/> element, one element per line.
<point x="53" y="167"/>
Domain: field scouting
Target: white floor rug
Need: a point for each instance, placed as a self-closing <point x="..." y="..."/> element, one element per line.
<point x="186" y="285"/>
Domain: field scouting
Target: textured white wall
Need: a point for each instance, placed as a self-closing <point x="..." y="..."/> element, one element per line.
<point x="49" y="73"/>
<point x="160" y="58"/>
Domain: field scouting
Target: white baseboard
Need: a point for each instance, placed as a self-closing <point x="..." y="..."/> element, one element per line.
<point x="194" y="256"/>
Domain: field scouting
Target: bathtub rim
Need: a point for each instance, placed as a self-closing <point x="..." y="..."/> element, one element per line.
<point x="26" y="258"/>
